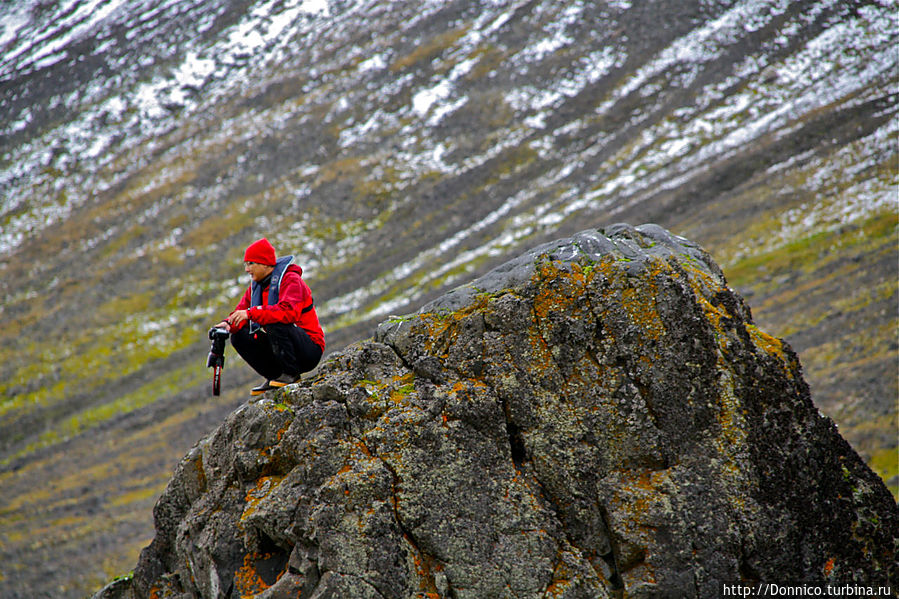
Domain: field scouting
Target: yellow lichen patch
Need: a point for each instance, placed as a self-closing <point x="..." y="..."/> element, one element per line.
<point x="558" y="587"/>
<point x="564" y="577"/>
<point x="163" y="589"/>
<point x="560" y="292"/>
<point x="401" y="387"/>
<point x="641" y="308"/>
<point x="713" y="313"/>
<point x="436" y="331"/>
<point x="559" y="289"/>
<point x="731" y="442"/>
<point x="264" y="486"/>
<point x="280" y="432"/>
<point x="387" y="399"/>
<point x="464" y="385"/>
<point x="403" y="379"/>
<point x="441" y="329"/>
<point x="640" y="302"/>
<point x="639" y="506"/>
<point x="637" y="482"/>
<point x="540" y="355"/>
<point x="770" y="345"/>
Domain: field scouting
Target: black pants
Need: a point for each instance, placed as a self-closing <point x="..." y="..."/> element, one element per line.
<point x="277" y="349"/>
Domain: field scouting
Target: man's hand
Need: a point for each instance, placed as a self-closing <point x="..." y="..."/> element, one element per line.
<point x="237" y="318"/>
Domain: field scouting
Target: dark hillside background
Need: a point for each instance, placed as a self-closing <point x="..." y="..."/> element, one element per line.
<point x="399" y="149"/>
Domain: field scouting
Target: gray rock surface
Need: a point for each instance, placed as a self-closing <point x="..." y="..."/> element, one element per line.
<point x="596" y="418"/>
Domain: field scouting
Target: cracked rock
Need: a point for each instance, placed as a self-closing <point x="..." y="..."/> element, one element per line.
<point x="598" y="418"/>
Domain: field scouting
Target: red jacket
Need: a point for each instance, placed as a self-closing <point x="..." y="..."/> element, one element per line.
<point x="293" y="298"/>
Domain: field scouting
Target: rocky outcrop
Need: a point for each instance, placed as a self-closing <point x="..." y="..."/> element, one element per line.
<point x="595" y="418"/>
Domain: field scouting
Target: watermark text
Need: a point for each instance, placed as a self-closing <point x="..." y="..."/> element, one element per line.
<point x="774" y="589"/>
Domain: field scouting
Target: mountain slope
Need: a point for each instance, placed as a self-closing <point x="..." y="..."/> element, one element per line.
<point x="399" y="149"/>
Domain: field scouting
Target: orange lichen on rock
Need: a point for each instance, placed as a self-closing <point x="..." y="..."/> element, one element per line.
<point x="264" y="485"/>
<point x="771" y="346"/>
<point x="247" y="581"/>
<point x="559" y="289"/>
<point x="828" y="567"/>
<point x="641" y="308"/>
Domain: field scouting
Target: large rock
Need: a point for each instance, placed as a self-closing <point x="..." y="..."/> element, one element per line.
<point x="595" y="417"/>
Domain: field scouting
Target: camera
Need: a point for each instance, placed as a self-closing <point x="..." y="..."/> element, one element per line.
<point x="216" y="359"/>
<point x="217" y="351"/>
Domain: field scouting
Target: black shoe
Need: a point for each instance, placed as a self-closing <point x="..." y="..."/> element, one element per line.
<point x="262" y="388"/>
<point x="284" y="380"/>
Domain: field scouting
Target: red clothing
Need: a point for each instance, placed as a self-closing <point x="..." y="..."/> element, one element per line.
<point x="294" y="296"/>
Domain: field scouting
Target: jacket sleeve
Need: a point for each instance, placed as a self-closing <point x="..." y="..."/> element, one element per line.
<point x="293" y="296"/>
<point x="243" y="304"/>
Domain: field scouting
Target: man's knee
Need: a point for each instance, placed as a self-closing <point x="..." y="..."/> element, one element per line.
<point x="242" y="339"/>
<point x="297" y="352"/>
<point x="238" y="338"/>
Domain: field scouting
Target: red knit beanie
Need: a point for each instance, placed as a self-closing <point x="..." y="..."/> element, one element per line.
<point x="260" y="251"/>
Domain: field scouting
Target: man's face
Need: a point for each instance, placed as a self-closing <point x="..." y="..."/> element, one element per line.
<point x="257" y="271"/>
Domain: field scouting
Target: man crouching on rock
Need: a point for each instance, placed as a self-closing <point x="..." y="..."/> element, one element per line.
<point x="274" y="326"/>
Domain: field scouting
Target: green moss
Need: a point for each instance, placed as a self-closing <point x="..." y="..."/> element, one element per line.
<point x="165" y="385"/>
<point x="403" y="318"/>
<point x="210" y="231"/>
<point x="126" y="304"/>
<point x="118" y="243"/>
<point x="135" y="496"/>
<point x="847" y="476"/>
<point x="794" y="256"/>
<point x="815" y="251"/>
<point x="79" y="366"/>
<point x="373" y="388"/>
<point x="406" y="389"/>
